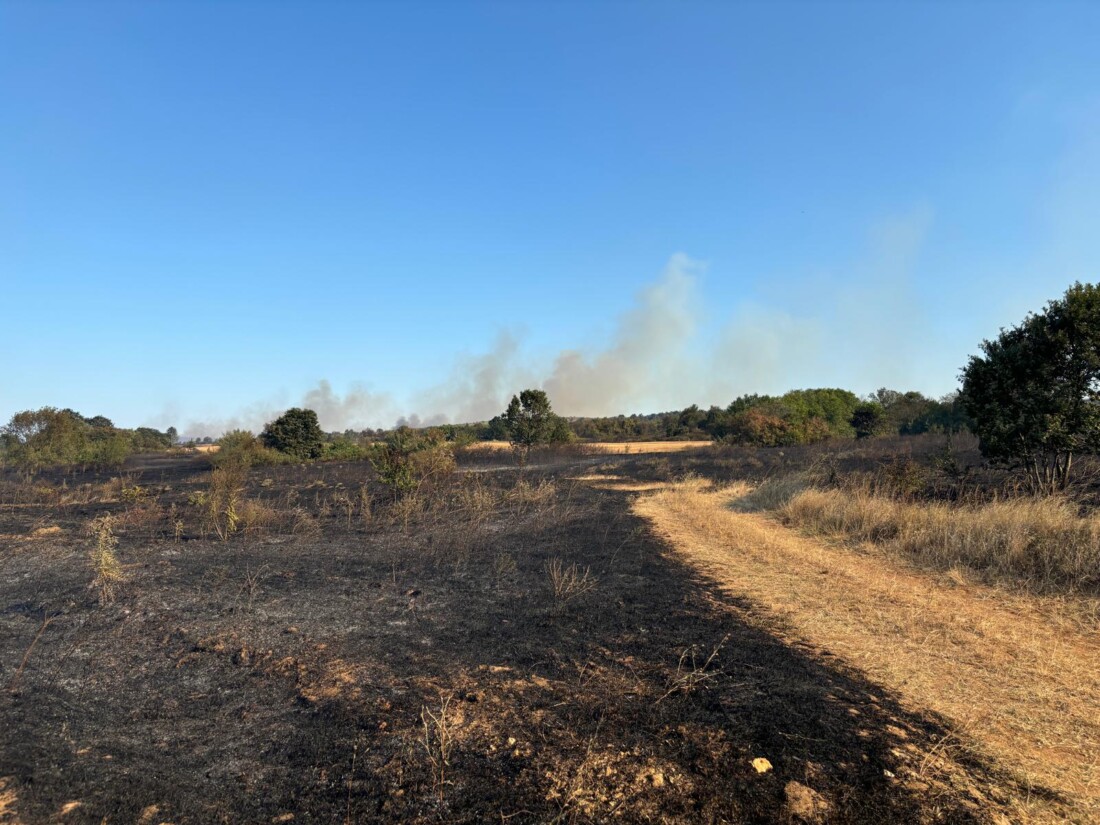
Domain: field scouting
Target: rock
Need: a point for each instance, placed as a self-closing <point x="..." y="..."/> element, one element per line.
<point x="804" y="804"/>
<point x="761" y="764"/>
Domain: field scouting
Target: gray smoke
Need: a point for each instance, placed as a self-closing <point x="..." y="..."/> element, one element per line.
<point x="479" y="386"/>
<point x="648" y="360"/>
<point x="856" y="327"/>
<point x="358" y="409"/>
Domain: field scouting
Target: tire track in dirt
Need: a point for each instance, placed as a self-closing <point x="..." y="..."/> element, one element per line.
<point x="1020" y="687"/>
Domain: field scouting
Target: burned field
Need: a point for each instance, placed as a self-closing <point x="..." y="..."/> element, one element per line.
<point x="504" y="645"/>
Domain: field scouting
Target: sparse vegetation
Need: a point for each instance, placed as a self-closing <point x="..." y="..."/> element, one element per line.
<point x="568" y="582"/>
<point x="107" y="569"/>
<point x="459" y="588"/>
<point x="439" y="741"/>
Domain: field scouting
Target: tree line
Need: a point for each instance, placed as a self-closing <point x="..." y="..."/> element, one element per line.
<point x="49" y="437"/>
<point x="52" y="437"/>
<point x="1032" y="396"/>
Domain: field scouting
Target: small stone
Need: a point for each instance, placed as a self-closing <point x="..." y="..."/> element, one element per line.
<point x="761" y="764"/>
<point x="804" y="804"/>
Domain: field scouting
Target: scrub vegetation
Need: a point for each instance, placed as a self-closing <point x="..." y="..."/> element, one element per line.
<point x="805" y="608"/>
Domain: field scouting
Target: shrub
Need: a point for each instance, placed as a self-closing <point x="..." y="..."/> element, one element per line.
<point x="105" y="564"/>
<point x="868" y="419"/>
<point x="295" y="432"/>
<point x="243" y="448"/>
<point x="342" y="449"/>
<point x="406" y="461"/>
<point x="222" y="501"/>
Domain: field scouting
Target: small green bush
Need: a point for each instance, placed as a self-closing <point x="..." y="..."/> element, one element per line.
<point x="243" y="448"/>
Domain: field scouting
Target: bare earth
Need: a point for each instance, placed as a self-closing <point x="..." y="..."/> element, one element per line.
<point x="1016" y="678"/>
<point x="584" y="639"/>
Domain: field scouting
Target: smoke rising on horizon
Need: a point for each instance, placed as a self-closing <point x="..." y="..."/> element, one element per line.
<point x="663" y="355"/>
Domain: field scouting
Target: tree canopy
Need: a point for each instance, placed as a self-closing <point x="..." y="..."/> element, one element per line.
<point x="530" y="421"/>
<point x="1034" y="393"/>
<point x="296" y="432"/>
<point x="51" y="437"/>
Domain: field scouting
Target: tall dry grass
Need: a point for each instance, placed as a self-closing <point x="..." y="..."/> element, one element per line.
<point x="1042" y="543"/>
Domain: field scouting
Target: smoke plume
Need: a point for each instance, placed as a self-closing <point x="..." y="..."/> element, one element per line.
<point x="854" y="327"/>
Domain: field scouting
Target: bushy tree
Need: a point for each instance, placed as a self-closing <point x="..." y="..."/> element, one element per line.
<point x="295" y="432"/>
<point x="531" y="421"/>
<point x="147" y="439"/>
<point x="34" y="438"/>
<point x="868" y="419"/>
<point x="755" y="426"/>
<point x="832" y="406"/>
<point x="1034" y="393"/>
<point x="52" y="437"/>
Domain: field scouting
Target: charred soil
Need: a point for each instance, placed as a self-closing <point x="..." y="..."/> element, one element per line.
<point x="345" y="656"/>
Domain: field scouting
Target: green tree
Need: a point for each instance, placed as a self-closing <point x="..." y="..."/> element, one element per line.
<point x="530" y="421"/>
<point x="295" y="432"/>
<point x="1034" y="393"/>
<point x="832" y="406"/>
<point x="868" y="419"/>
<point x="44" y="437"/>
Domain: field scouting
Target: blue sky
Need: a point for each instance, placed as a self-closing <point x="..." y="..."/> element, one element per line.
<point x="212" y="211"/>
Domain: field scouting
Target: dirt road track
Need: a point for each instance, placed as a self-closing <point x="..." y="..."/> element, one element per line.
<point x="1018" y="680"/>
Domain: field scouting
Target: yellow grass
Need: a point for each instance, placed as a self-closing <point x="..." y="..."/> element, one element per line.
<point x="613" y="447"/>
<point x="1043" y="542"/>
<point x="1018" y="679"/>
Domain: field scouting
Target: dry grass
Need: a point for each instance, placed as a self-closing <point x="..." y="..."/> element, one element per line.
<point x="612" y="447"/>
<point x="568" y="582"/>
<point x="108" y="571"/>
<point x="1043" y="543"/>
<point x="1016" y="676"/>
<point x="439" y="740"/>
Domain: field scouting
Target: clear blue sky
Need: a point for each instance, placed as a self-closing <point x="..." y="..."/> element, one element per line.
<point x="208" y="208"/>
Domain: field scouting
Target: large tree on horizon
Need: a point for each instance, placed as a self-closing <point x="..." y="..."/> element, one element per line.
<point x="531" y="421"/>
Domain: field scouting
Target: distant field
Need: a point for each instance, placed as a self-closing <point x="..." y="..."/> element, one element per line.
<point x="614" y="447"/>
<point x="609" y="447"/>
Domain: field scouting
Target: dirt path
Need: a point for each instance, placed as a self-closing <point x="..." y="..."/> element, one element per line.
<point x="1020" y="687"/>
